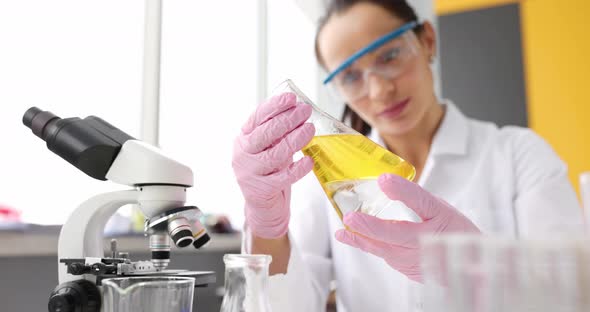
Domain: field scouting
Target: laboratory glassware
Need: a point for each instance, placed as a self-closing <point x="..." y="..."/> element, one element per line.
<point x="246" y="283"/>
<point x="148" y="294"/>
<point x="347" y="165"/>
<point x="466" y="273"/>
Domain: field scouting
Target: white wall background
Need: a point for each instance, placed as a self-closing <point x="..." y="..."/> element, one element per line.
<point x="291" y="47"/>
<point x="73" y="58"/>
<point x="80" y="58"/>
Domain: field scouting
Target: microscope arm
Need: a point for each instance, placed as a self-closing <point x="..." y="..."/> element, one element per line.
<point x="82" y="234"/>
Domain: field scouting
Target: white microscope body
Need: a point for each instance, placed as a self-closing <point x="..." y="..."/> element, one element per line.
<point x="159" y="186"/>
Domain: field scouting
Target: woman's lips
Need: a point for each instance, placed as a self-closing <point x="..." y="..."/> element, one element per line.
<point x="394" y="110"/>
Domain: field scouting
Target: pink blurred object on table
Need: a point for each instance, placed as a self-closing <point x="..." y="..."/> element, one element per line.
<point x="9" y="214"/>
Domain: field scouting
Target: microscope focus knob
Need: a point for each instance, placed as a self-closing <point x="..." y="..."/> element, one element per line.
<point x="63" y="303"/>
<point x="76" y="296"/>
<point x="78" y="268"/>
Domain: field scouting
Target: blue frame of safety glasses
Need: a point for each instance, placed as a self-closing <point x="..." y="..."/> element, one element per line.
<point x="371" y="47"/>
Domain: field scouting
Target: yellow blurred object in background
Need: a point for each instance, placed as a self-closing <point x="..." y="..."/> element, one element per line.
<point x="556" y="47"/>
<point x="557" y="67"/>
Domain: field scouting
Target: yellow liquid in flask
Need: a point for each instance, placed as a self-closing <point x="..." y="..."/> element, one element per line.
<point x="348" y="165"/>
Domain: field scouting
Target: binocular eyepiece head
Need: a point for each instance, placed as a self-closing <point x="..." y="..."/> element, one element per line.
<point x="90" y="144"/>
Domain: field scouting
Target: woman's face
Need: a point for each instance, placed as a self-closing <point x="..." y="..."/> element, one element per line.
<point x="392" y="106"/>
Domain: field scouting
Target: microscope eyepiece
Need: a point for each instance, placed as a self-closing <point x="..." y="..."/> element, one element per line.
<point x="40" y="122"/>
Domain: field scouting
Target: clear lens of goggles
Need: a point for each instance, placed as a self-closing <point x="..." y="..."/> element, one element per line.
<point x="387" y="62"/>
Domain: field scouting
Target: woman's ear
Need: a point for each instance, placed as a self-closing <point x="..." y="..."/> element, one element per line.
<point x="428" y="41"/>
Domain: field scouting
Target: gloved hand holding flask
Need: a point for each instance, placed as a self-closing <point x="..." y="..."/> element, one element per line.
<point x="263" y="162"/>
<point x="397" y="241"/>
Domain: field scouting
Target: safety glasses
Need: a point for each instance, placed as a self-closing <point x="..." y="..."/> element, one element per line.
<point x="388" y="57"/>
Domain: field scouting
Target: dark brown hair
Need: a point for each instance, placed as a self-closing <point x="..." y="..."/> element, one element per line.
<point x="397" y="8"/>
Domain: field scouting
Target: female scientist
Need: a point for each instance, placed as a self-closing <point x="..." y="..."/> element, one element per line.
<point x="471" y="175"/>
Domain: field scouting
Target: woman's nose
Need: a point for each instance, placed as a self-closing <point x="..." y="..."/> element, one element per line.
<point x="379" y="87"/>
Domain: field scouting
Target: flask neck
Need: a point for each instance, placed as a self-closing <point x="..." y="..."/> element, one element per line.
<point x="324" y="123"/>
<point x="246" y="284"/>
<point x="256" y="279"/>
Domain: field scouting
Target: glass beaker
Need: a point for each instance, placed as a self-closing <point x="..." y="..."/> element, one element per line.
<point x="148" y="294"/>
<point x="347" y="165"/>
<point x="246" y="280"/>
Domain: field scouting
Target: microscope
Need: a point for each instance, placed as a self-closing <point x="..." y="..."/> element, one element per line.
<point x="159" y="185"/>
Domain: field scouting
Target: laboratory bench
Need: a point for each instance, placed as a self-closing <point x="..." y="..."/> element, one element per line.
<point x="28" y="265"/>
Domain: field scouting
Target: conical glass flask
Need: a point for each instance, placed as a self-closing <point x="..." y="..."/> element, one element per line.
<point x="246" y="280"/>
<point x="148" y="294"/>
<point x="347" y="165"/>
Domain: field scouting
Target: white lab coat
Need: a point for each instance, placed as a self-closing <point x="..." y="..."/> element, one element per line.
<point x="506" y="180"/>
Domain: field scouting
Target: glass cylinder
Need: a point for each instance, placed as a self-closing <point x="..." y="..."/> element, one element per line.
<point x="246" y="283"/>
<point x="148" y="294"/>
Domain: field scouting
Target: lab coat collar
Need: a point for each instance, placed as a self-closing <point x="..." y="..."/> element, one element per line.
<point x="451" y="138"/>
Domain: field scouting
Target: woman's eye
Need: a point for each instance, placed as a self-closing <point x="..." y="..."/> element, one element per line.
<point x="390" y="55"/>
<point x="350" y="77"/>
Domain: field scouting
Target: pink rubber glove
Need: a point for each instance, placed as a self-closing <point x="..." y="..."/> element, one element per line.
<point x="397" y="242"/>
<point x="263" y="162"/>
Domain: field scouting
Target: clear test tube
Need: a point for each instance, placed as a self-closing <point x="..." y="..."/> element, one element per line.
<point x="454" y="277"/>
<point x="554" y="268"/>
<point x="585" y="195"/>
<point x="504" y="282"/>
<point x="433" y="294"/>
